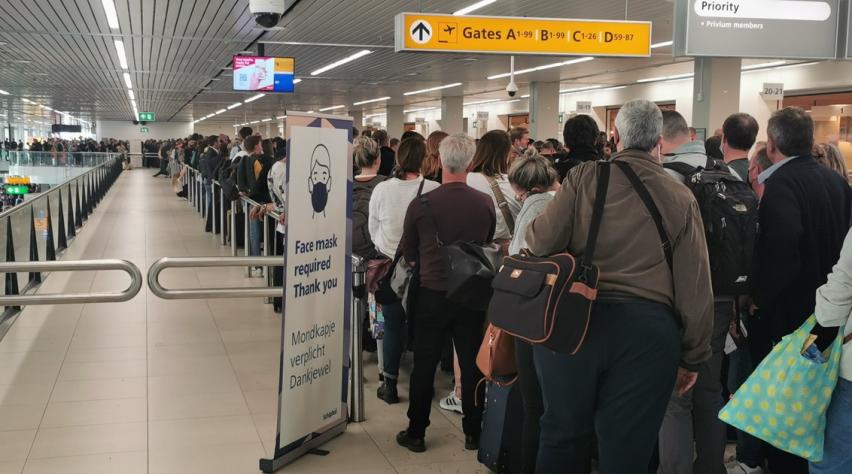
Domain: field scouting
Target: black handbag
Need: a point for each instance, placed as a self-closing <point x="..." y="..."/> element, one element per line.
<point x="471" y="267"/>
<point x="548" y="300"/>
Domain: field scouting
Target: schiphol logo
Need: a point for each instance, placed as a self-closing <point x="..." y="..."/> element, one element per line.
<point x="793" y="10"/>
<point x="420" y="31"/>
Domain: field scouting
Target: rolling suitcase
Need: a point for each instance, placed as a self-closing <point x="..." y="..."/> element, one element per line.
<point x="502" y="424"/>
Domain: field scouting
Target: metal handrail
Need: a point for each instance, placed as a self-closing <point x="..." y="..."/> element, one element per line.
<point x="70" y="266"/>
<point x="209" y="293"/>
<point x="56" y="188"/>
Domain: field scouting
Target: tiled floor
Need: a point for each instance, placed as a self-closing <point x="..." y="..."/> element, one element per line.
<point x="155" y="386"/>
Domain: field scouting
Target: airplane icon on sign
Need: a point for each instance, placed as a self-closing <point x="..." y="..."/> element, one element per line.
<point x="449" y="29"/>
<point x="448" y="32"/>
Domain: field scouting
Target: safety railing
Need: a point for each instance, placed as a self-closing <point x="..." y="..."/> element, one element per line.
<point x="43" y="226"/>
<point x="224" y="217"/>
<point x="72" y="266"/>
<point x="210" y="293"/>
<point x="59" y="158"/>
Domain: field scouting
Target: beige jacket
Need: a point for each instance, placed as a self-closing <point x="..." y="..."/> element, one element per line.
<point x="629" y="252"/>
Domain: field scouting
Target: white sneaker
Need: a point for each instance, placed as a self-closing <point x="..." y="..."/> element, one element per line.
<point x="451" y="403"/>
<point x="736" y="467"/>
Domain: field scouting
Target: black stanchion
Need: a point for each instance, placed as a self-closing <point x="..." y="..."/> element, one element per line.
<point x="92" y="201"/>
<point x="35" y="277"/>
<point x="62" y="244"/>
<point x="78" y="211"/>
<point x="11" y="278"/>
<point x="72" y="232"/>
<point x="49" y="248"/>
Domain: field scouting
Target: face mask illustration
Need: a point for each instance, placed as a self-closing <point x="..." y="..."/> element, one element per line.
<point x="319" y="182"/>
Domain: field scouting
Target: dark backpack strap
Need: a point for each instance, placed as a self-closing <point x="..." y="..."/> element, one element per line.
<point x="597" y="214"/>
<point x="646" y="198"/>
<point x="678" y="167"/>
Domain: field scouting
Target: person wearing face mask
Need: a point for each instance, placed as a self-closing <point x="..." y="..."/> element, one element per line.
<point x="534" y="181"/>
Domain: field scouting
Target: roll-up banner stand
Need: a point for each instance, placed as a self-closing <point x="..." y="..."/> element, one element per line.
<point x="312" y="389"/>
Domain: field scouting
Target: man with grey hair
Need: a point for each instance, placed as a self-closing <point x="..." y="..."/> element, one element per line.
<point x="650" y="327"/>
<point x="804" y="218"/>
<point x="454" y="212"/>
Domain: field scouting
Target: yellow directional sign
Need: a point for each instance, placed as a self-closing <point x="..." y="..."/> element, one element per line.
<point x="518" y="35"/>
<point x="17" y="180"/>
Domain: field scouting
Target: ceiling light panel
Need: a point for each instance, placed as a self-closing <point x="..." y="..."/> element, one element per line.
<point x="122" y="55"/>
<point x="253" y="98"/>
<point x="380" y="99"/>
<point x="433" y="89"/>
<point x="543" y="67"/>
<point x="341" y="62"/>
<point x="112" y="16"/>
<point x="335" y="107"/>
<point x="473" y="7"/>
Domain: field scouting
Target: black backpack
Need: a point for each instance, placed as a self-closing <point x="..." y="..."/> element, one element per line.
<point x="228" y="180"/>
<point x="729" y="210"/>
<point x="362" y="243"/>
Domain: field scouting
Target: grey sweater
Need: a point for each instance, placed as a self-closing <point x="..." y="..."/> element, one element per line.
<point x="532" y="207"/>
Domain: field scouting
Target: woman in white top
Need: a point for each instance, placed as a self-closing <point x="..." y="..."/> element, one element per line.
<point x="488" y="174"/>
<point x="833" y="308"/>
<point x="388" y="205"/>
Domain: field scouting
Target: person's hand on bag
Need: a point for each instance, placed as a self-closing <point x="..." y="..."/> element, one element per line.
<point x="685" y="381"/>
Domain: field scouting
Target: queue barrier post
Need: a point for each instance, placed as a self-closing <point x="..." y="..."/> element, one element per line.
<point x="356" y="324"/>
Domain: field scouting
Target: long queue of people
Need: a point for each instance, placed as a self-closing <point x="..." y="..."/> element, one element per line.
<point x="708" y="255"/>
<point x="106" y="145"/>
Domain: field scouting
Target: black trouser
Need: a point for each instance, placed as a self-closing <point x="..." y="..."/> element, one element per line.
<point x="533" y="404"/>
<point x="616" y="386"/>
<point x="436" y="316"/>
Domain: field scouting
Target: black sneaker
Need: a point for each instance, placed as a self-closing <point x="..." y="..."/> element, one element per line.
<point x="415" y="445"/>
<point x="471" y="442"/>
<point x="387" y="392"/>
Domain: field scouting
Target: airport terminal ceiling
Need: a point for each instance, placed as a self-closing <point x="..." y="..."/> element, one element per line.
<point x="62" y="54"/>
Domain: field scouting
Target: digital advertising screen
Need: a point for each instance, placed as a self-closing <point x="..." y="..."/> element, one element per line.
<point x="263" y="74"/>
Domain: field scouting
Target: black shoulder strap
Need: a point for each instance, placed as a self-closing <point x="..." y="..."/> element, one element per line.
<point x="679" y="167"/>
<point x="646" y="198"/>
<point x="597" y="214"/>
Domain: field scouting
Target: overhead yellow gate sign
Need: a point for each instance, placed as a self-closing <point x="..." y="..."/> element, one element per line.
<point x="519" y="35"/>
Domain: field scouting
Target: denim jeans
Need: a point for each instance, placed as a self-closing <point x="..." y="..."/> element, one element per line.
<point x="255" y="232"/>
<point x="392" y="342"/>
<point x="749" y="448"/>
<point x="838" y="433"/>
<point x="615" y="389"/>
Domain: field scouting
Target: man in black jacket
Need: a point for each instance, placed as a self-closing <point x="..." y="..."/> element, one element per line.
<point x="804" y="218"/>
<point x="387" y="156"/>
<point x="209" y="164"/>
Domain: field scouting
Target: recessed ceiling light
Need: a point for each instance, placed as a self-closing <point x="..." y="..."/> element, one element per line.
<point x="281" y="117"/>
<point x="112" y="16"/>
<point x="131" y="94"/>
<point x="763" y="65"/>
<point x="380" y="99"/>
<point x="423" y="109"/>
<point x="221" y="111"/>
<point x="2" y="92"/>
<point x="254" y="122"/>
<point x="253" y="98"/>
<point x="661" y="45"/>
<point x="543" y="67"/>
<point x="296" y="81"/>
<point x="341" y="62"/>
<point x="127" y="81"/>
<point x="122" y="55"/>
<point x="432" y="89"/>
<point x="235" y="105"/>
<point x="266" y="120"/>
<point x="335" y="107"/>
<point x="473" y="7"/>
<point x="488" y="101"/>
<point x="579" y="89"/>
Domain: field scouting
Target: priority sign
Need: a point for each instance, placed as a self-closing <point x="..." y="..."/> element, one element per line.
<point x="521" y="35"/>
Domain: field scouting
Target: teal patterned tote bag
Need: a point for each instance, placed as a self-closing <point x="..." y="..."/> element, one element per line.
<point x="784" y="400"/>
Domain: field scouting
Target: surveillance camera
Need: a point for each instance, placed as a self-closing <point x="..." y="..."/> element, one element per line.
<point x="267" y="13"/>
<point x="512" y="89"/>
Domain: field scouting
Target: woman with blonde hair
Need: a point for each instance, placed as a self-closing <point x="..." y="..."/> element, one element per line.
<point x="829" y="156"/>
<point x="432" y="164"/>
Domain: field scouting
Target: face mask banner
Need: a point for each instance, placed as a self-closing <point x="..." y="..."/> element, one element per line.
<point x="315" y="336"/>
